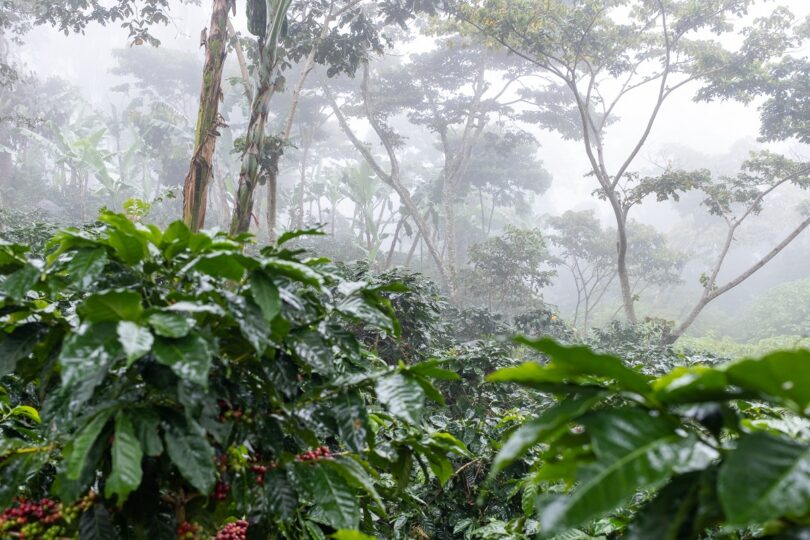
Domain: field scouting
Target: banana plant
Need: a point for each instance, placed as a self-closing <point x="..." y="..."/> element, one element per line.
<point x="275" y="24"/>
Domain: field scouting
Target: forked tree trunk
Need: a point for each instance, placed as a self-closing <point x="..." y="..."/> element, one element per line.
<point x="200" y="172"/>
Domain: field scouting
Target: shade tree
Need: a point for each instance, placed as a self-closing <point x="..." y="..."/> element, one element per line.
<point x="581" y="49"/>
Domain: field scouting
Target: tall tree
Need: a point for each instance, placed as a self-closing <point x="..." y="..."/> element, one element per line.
<point x="738" y="199"/>
<point x="200" y="172"/>
<point x="340" y="34"/>
<point x="585" y="47"/>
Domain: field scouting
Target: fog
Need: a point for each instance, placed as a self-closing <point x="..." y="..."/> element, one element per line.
<point x="361" y="212"/>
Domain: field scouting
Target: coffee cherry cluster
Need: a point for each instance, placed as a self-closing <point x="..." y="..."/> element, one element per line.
<point x="233" y="531"/>
<point x="259" y="471"/>
<point x="314" y="455"/>
<point x="188" y="531"/>
<point x="221" y="490"/>
<point x="32" y="519"/>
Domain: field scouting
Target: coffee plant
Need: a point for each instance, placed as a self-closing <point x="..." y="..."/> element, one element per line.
<point x="698" y="452"/>
<point x="169" y="384"/>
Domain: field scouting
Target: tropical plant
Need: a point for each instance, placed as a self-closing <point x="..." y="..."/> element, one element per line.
<point x="183" y="384"/>
<point x="697" y="451"/>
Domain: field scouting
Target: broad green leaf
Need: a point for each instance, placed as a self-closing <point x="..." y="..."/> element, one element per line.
<point x="251" y="322"/>
<point x="764" y="478"/>
<point x="440" y="466"/>
<point x="356" y="475"/>
<point x="85" y="359"/>
<point x="430" y="391"/>
<point x="534" y="375"/>
<point x="111" y="306"/>
<point x="692" y="385"/>
<point x="782" y="374"/>
<point x="96" y="523"/>
<point x="335" y="502"/>
<point x="295" y="271"/>
<point x="130" y="248"/>
<point x="192" y="455"/>
<point x="578" y="360"/>
<point x="221" y="265"/>
<point x="169" y="324"/>
<point x="635" y="450"/>
<point x="433" y="370"/>
<point x="351" y="418"/>
<point x="310" y="347"/>
<point x="538" y="429"/>
<point x="290" y="235"/>
<point x="282" y="500"/>
<point x="448" y="443"/>
<point x="17" y="470"/>
<point x="265" y="294"/>
<point x="127" y="453"/>
<point x="363" y="309"/>
<point x="135" y="340"/>
<point x="175" y="239"/>
<point x="17" y="345"/>
<point x="26" y="411"/>
<point x="82" y="444"/>
<point x="16" y="285"/>
<point x="146" y="423"/>
<point x="85" y="265"/>
<point x="189" y="357"/>
<point x="402" y="395"/>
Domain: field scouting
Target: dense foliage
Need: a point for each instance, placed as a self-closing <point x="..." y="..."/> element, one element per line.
<point x="181" y="380"/>
<point x="343" y="364"/>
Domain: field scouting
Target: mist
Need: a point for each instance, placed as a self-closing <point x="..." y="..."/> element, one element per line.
<point x="105" y="73"/>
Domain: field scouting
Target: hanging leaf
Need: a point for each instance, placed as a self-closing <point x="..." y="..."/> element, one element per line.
<point x="192" y="455"/>
<point x="579" y="360"/>
<point x="335" y="502"/>
<point x="783" y="374"/>
<point x="135" y="340"/>
<point x="17" y="285"/>
<point x="82" y="444"/>
<point x="764" y="478"/>
<point x="126" y="472"/>
<point x="402" y="395"/>
<point x="537" y="430"/>
<point x="189" y="357"/>
<point x="96" y="523"/>
<point x="265" y="294"/>
<point x="85" y="265"/>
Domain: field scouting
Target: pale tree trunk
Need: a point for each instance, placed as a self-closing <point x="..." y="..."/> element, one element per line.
<point x="272" y="180"/>
<point x="621" y="266"/>
<point x="195" y="186"/>
<point x="254" y="139"/>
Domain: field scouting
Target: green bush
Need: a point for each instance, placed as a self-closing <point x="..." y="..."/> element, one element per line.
<point x="164" y="383"/>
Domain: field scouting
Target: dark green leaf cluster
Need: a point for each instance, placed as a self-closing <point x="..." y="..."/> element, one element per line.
<point x="686" y="439"/>
<point x="182" y="379"/>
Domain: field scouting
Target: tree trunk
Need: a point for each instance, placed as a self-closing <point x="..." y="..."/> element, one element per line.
<point x="621" y="261"/>
<point x="254" y="139"/>
<point x="448" y="201"/>
<point x="195" y="186"/>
